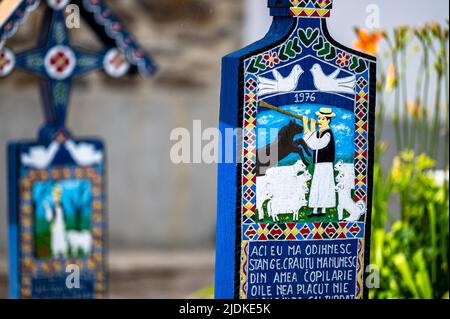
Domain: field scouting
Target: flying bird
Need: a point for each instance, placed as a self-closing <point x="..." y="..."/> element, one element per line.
<point x="84" y="154"/>
<point x="331" y="83"/>
<point x="280" y="84"/>
<point x="41" y="157"/>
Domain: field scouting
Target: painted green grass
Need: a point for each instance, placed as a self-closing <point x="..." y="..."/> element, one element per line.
<point x="43" y="248"/>
<point x="303" y="217"/>
<point x="42" y="245"/>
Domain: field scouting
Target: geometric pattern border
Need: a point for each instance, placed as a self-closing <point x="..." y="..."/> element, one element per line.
<point x="311" y="8"/>
<point x="361" y="136"/>
<point x="303" y="231"/>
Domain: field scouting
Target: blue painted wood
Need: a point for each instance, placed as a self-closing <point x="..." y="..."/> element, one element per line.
<point x="56" y="93"/>
<point x="52" y="284"/>
<point x="13" y="233"/>
<point x="240" y="67"/>
<point x="228" y="231"/>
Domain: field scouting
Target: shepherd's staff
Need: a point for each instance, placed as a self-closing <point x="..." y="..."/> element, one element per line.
<point x="269" y="106"/>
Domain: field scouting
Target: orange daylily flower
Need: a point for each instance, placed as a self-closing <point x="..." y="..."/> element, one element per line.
<point x="436" y="30"/>
<point x="368" y="41"/>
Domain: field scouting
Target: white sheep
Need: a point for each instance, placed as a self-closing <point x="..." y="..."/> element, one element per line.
<point x="280" y="188"/>
<point x="304" y="178"/>
<point x="289" y="196"/>
<point x="348" y="172"/>
<point x="263" y="193"/>
<point x="292" y="170"/>
<point x="345" y="184"/>
<point x="285" y="188"/>
<point x="339" y="166"/>
<point x="80" y="241"/>
<point x="302" y="181"/>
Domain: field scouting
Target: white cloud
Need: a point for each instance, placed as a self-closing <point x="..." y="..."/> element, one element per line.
<point x="341" y="128"/>
<point x="346" y="116"/>
<point x="264" y="119"/>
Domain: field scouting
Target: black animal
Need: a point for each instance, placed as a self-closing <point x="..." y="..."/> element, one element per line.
<point x="285" y="145"/>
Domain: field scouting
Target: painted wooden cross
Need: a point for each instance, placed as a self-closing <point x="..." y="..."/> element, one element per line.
<point x="56" y="184"/>
<point x="294" y="208"/>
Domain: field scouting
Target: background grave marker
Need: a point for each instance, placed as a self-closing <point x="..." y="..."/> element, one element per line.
<point x="57" y="184"/>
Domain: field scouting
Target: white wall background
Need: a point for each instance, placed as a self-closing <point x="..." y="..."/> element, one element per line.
<point x="347" y="14"/>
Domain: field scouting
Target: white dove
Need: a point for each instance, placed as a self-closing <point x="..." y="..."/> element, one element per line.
<point x="330" y="83"/>
<point x="40" y="157"/>
<point x="84" y="154"/>
<point x="280" y="84"/>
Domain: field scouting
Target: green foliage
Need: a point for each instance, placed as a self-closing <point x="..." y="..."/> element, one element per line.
<point x="410" y="223"/>
<point x="412" y="251"/>
<point x="204" y="293"/>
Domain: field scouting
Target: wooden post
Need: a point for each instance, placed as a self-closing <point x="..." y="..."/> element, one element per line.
<point x="298" y="225"/>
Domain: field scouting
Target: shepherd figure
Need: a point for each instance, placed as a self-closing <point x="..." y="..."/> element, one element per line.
<point x="55" y="217"/>
<point x="322" y="143"/>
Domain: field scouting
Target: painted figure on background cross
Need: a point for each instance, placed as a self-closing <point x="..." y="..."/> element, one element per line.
<point x="323" y="188"/>
<point x="55" y="217"/>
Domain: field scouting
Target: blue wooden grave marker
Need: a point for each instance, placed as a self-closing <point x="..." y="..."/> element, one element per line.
<point x="294" y="207"/>
<point x="57" y="221"/>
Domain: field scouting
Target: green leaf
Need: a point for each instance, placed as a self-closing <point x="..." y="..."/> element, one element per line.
<point x="422" y="277"/>
<point x="379" y="247"/>
<point x="403" y="267"/>
<point x="204" y="293"/>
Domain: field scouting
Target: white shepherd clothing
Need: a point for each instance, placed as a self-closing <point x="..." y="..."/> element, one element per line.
<point x="323" y="188"/>
<point x="323" y="194"/>
<point x="59" y="245"/>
